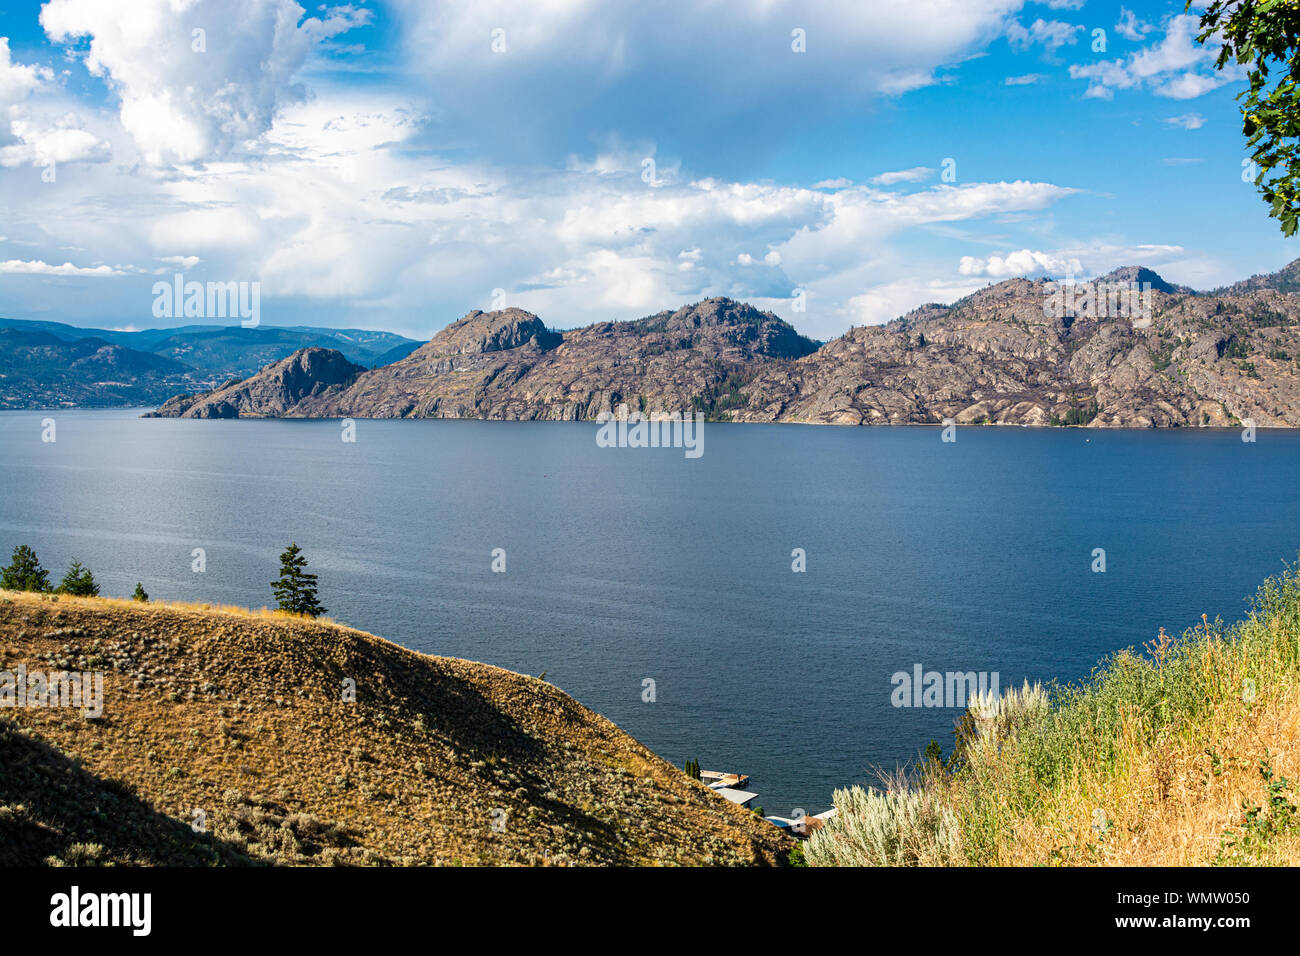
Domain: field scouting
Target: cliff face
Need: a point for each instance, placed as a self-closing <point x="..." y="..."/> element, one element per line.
<point x="1019" y="352"/>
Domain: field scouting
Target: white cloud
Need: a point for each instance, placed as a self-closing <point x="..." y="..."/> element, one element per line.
<point x="913" y="175"/>
<point x="1130" y="27"/>
<point x="17" y="80"/>
<point x="708" y="66"/>
<point x="1026" y="262"/>
<point x="1079" y="260"/>
<point x="1176" y="67"/>
<point x="1187" y="121"/>
<point x="37" y="267"/>
<point x="1050" y="34"/>
<point x="66" y="141"/>
<point x="1028" y="79"/>
<point x="839" y="183"/>
<point x="188" y="96"/>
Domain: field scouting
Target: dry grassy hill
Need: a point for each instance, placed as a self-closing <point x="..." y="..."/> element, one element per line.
<point x="242" y="716"/>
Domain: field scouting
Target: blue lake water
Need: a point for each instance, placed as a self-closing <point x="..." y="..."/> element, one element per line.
<point x="625" y="564"/>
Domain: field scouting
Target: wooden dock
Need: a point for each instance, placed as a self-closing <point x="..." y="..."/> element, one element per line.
<point x="716" y="779"/>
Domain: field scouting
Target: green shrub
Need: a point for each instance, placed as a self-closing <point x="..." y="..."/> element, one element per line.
<point x="900" y="828"/>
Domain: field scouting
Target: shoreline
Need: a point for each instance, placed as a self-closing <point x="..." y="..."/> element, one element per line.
<point x="593" y="421"/>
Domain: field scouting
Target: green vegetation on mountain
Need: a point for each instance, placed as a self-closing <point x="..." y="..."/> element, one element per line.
<point x="49" y="364"/>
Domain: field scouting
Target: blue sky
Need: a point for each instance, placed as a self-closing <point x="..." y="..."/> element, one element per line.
<point x="394" y="165"/>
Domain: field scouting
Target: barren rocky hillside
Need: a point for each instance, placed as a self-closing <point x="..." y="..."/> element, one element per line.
<point x="243" y="717"/>
<point x="1002" y="355"/>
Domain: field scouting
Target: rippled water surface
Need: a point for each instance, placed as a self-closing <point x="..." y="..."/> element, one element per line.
<point x="627" y="564"/>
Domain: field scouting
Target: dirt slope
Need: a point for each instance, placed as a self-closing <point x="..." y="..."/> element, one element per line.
<point x="242" y="716"/>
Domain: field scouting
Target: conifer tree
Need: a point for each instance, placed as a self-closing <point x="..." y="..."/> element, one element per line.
<point x="79" y="582"/>
<point x="139" y="594"/>
<point x="295" y="590"/>
<point x="24" y="572"/>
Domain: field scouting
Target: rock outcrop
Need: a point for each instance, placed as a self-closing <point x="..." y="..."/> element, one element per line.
<point x="274" y="392"/>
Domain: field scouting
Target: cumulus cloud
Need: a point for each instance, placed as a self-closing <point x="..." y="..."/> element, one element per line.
<point x="194" y="79"/>
<point x="1026" y="262"/>
<point x="64" y="141"/>
<point x="1079" y="260"/>
<point x="16" y="79"/>
<point x="37" y="267"/>
<point x="1176" y="67"/>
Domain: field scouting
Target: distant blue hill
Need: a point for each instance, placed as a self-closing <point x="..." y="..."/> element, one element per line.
<point x="52" y="365"/>
<point x="225" y="351"/>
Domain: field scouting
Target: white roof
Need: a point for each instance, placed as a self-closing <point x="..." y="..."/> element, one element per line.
<point x="736" y="796"/>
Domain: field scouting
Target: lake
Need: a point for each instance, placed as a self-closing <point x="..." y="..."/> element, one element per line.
<point x="628" y="564"/>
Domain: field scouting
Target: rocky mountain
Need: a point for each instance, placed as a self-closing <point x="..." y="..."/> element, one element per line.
<point x="276" y="390"/>
<point x="1286" y="279"/>
<point x="1030" y="352"/>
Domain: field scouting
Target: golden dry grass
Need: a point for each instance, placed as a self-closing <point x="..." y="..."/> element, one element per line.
<point x="241" y="714"/>
<point x="1175" y="802"/>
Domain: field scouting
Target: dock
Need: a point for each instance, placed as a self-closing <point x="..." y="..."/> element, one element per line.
<point x="716" y="778"/>
<point x="731" y="786"/>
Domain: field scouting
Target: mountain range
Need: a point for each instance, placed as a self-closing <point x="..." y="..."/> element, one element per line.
<point x="1022" y="351"/>
<point x="49" y="364"/>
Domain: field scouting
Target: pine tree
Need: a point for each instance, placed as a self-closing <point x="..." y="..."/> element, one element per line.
<point x="139" y="594"/>
<point x="79" y="582"/>
<point x="296" y="589"/>
<point x="24" y="572"/>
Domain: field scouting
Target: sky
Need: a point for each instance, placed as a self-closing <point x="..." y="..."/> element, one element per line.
<point x="393" y="165"/>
